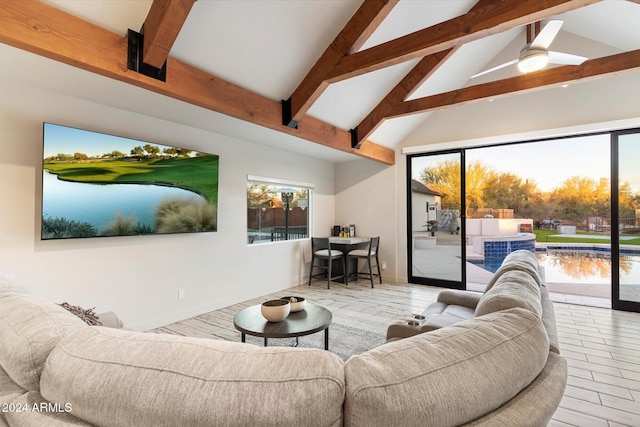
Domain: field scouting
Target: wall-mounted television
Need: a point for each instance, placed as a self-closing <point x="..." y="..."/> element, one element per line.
<point x="95" y="184"/>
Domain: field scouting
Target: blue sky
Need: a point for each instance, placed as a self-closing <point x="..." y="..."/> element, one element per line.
<point x="61" y="139"/>
<point x="549" y="163"/>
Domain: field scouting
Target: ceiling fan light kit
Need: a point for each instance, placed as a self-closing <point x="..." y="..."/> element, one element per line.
<point x="536" y="55"/>
<point x="532" y="59"/>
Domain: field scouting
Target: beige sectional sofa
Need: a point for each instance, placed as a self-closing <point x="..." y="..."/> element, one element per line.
<point x="494" y="369"/>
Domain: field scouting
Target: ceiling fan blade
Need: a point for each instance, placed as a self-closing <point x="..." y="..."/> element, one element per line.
<point x="547" y="34"/>
<point x="490" y="70"/>
<point x="565" y="58"/>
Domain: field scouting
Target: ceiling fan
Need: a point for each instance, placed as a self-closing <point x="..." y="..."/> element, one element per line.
<point x="536" y="55"/>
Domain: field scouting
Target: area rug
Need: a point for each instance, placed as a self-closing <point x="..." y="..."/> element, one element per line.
<point x="344" y="340"/>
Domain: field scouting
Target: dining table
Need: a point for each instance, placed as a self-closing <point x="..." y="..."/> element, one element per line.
<point x="347" y="244"/>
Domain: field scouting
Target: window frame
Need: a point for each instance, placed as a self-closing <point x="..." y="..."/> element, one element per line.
<point x="310" y="187"/>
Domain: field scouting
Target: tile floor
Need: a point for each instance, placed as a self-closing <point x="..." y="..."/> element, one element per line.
<point x="602" y="346"/>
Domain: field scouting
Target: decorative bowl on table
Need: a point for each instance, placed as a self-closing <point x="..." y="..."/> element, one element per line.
<point x="275" y="310"/>
<point x="297" y="303"/>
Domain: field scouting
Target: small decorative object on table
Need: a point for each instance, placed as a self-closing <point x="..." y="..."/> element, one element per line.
<point x="297" y="303"/>
<point x="275" y="310"/>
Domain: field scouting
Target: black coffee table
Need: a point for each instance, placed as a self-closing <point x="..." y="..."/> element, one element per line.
<point x="306" y="322"/>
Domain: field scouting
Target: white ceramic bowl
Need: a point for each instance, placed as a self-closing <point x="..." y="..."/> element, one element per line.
<point x="297" y="303"/>
<point x="275" y="310"/>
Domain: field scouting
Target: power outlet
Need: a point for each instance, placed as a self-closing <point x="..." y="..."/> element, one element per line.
<point x="384" y="265"/>
<point x="181" y="293"/>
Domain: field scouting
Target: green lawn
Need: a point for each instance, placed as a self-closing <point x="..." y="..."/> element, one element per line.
<point x="552" y="236"/>
<point x="199" y="174"/>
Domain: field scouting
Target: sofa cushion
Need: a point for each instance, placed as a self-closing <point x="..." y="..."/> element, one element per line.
<point x="31" y="328"/>
<point x="123" y="378"/>
<point x="513" y="289"/>
<point x="535" y="405"/>
<point x="520" y="260"/>
<point x="38" y="412"/>
<point x="9" y="390"/>
<point x="422" y="380"/>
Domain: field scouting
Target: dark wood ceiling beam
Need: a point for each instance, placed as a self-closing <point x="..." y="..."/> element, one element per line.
<point x="492" y="18"/>
<point x="161" y="28"/>
<point x="359" y="28"/>
<point x="42" y="29"/>
<point x="589" y="70"/>
<point x="418" y="75"/>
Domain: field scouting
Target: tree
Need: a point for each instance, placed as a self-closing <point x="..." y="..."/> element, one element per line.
<point x="485" y="188"/>
<point x="445" y="178"/>
<point x="137" y="151"/>
<point x="578" y="197"/>
<point x="152" y="150"/>
<point x="60" y="157"/>
<point x="477" y="180"/>
<point x="534" y="205"/>
<point x="628" y="200"/>
<point x="115" y="154"/>
<point x="259" y="195"/>
<point x="170" y="151"/>
<point x="80" y="156"/>
<point x="506" y="190"/>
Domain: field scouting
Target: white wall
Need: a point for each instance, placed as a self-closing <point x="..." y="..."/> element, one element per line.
<point x="365" y="196"/>
<point x="138" y="277"/>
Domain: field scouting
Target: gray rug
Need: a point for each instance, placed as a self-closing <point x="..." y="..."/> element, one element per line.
<point x="361" y="316"/>
<point x="345" y="341"/>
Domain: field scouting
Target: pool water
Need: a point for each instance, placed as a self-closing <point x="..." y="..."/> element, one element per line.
<point x="579" y="266"/>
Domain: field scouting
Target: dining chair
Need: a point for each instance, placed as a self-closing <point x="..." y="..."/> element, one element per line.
<point x="321" y="251"/>
<point x="370" y="254"/>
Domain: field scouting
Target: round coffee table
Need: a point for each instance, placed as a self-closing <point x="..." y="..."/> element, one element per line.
<point x="306" y="322"/>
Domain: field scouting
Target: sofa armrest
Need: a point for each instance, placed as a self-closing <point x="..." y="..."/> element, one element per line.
<point x="549" y="320"/>
<point x="401" y="329"/>
<point x="468" y="299"/>
<point x="410" y="327"/>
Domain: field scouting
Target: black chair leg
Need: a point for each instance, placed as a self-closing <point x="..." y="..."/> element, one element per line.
<point x="345" y="272"/>
<point x="370" y="272"/>
<point x="379" y="273"/>
<point x="311" y="269"/>
<point x="329" y="272"/>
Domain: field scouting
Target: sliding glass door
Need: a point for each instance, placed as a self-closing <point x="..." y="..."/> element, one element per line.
<point x="552" y="195"/>
<point x="435" y="219"/>
<point x="626" y="190"/>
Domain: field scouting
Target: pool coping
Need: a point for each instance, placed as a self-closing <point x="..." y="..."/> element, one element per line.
<point x="597" y="247"/>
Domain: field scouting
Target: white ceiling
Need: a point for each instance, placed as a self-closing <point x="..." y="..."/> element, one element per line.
<point x="268" y="46"/>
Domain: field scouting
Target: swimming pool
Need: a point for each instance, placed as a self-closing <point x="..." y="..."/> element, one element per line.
<point x="591" y="265"/>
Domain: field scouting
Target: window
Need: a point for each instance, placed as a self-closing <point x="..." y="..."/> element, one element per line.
<point x="277" y="210"/>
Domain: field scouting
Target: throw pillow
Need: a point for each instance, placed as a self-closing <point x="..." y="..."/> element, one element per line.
<point x="88" y="315"/>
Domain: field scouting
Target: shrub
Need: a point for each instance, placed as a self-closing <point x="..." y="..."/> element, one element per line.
<point x="120" y="226"/>
<point x="177" y="215"/>
<point x="62" y="228"/>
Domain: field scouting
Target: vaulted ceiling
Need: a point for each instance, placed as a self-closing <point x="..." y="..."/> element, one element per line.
<point x="355" y="76"/>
